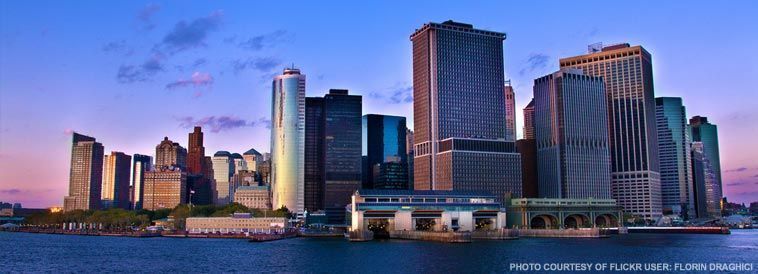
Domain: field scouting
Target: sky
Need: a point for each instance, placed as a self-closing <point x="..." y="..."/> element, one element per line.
<point x="131" y="72"/>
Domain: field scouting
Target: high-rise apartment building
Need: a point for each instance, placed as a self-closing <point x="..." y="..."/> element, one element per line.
<point x="195" y="152"/>
<point x="288" y="140"/>
<point x="674" y="142"/>
<point x="333" y="145"/>
<point x="707" y="134"/>
<point x="628" y="75"/>
<point x="165" y="187"/>
<point x="510" y="112"/>
<point x="529" y="131"/>
<point x="572" y="136"/>
<point x="140" y="165"/>
<point x="223" y="169"/>
<point x="86" y="174"/>
<point x="459" y="111"/>
<point x="114" y="192"/>
<point x="385" y="154"/>
<point x="170" y="154"/>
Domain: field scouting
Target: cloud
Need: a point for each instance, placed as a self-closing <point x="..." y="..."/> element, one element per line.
<point x="401" y="93"/>
<point x="739" y="169"/>
<point x="755" y="176"/>
<point x="11" y="191"/>
<point x="199" y="62"/>
<point x="262" y="64"/>
<point x="145" y="15"/>
<point x="196" y="80"/>
<point x="68" y="131"/>
<point x="131" y="73"/>
<point x="261" y="41"/>
<point x="219" y="123"/>
<point x="736" y="184"/>
<point x="187" y="35"/>
<point x="118" y="47"/>
<point x="536" y="61"/>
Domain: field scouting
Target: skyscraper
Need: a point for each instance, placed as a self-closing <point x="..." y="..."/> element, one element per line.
<point x="288" y="140"/>
<point x="168" y="154"/>
<point x="628" y="75"/>
<point x="252" y="158"/>
<point x="86" y="175"/>
<point x="529" y="120"/>
<point x="706" y="133"/>
<point x="196" y="152"/>
<point x="140" y="165"/>
<point x="674" y="144"/>
<point x="314" y="154"/>
<point x="510" y="112"/>
<point x="459" y="111"/>
<point x="223" y="169"/>
<point x="384" y="151"/>
<point x="703" y="181"/>
<point x="115" y="188"/>
<point x="572" y="136"/>
<point x="333" y="145"/>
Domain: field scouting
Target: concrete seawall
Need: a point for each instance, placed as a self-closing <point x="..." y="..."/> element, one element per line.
<point x="563" y="233"/>
<point x="447" y="237"/>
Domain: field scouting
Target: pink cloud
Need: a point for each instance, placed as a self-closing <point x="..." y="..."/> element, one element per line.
<point x="197" y="79"/>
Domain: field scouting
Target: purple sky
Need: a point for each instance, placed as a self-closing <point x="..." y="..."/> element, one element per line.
<point x="130" y="72"/>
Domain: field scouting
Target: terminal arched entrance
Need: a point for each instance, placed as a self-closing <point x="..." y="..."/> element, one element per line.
<point x="543" y="221"/>
<point x="576" y="221"/>
<point x="606" y="220"/>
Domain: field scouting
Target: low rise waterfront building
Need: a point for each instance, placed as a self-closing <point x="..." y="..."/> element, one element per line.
<point x="384" y="211"/>
<point x="237" y="223"/>
<point x="544" y="213"/>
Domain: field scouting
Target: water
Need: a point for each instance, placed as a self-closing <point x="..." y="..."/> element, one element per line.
<point x="24" y="252"/>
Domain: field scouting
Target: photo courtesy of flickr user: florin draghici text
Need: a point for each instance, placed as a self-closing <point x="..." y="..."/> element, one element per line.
<point x="632" y="267"/>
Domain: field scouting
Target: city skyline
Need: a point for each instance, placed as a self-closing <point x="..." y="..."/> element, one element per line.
<point x="227" y="120"/>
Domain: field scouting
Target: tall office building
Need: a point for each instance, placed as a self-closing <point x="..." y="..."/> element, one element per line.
<point x="165" y="187"/>
<point x="510" y="112"/>
<point x="703" y="182"/>
<point x="288" y="140"/>
<point x="459" y="112"/>
<point x="86" y="175"/>
<point x="338" y="133"/>
<point x="706" y="133"/>
<point x="170" y="154"/>
<point x="385" y="155"/>
<point x="140" y="165"/>
<point x="195" y="152"/>
<point x="529" y="178"/>
<point x="314" y="154"/>
<point x="570" y="114"/>
<point x="628" y="75"/>
<point x="114" y="192"/>
<point x="674" y="154"/>
<point x="223" y="170"/>
<point x="529" y="121"/>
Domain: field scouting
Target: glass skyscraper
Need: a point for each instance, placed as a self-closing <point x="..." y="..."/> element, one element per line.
<point x="628" y="75"/>
<point x="570" y="113"/>
<point x="287" y="140"/>
<point x="706" y="133"/>
<point x="140" y="165"/>
<point x="385" y="158"/>
<point x="674" y="143"/>
<point x="459" y="111"/>
<point x="314" y="153"/>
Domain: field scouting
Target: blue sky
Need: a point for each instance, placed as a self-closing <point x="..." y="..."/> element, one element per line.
<point x="131" y="72"/>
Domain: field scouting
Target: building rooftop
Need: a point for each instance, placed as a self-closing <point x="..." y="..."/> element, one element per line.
<point x="236" y="156"/>
<point x="222" y="153"/>
<point x="252" y="151"/>
<point x="252" y="188"/>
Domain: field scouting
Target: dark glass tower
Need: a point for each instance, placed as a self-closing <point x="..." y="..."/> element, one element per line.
<point x="140" y="164"/>
<point x="707" y="134"/>
<point x="674" y="144"/>
<point x="385" y="156"/>
<point x="338" y="133"/>
<point x="459" y="111"/>
<point x="314" y="153"/>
